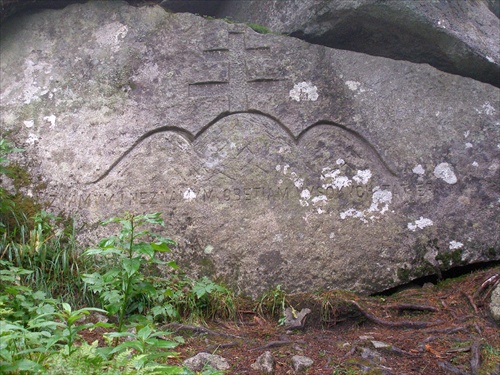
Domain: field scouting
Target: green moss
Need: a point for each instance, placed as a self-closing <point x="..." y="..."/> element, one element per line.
<point x="450" y="259"/>
<point x="207" y="266"/>
<point x="404" y="274"/>
<point x="20" y="176"/>
<point x="492" y="252"/>
<point x="259" y="28"/>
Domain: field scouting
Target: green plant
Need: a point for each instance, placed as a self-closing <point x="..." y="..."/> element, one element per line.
<point x="7" y="212"/>
<point x="89" y="359"/>
<point x="273" y="301"/>
<point x="25" y="322"/>
<point x="184" y="298"/>
<point x="67" y="329"/>
<point x="123" y="287"/>
<point x="49" y="250"/>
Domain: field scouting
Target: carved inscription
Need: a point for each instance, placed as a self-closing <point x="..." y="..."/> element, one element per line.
<point x="244" y="71"/>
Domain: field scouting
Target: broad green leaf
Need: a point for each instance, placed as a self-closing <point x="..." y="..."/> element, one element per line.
<point x="66" y="307"/>
<point x="161" y="247"/>
<point x="131" y="266"/>
<point x="144" y="332"/>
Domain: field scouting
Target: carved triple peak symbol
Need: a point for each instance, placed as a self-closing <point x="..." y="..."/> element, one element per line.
<point x="237" y="69"/>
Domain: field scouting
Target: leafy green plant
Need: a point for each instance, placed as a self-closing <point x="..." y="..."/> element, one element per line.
<point x="274" y="302"/>
<point x="184" y="298"/>
<point x="68" y="329"/>
<point x="123" y="287"/>
<point x="92" y="360"/>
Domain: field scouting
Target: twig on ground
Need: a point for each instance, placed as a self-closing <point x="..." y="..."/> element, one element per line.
<point x="450" y="368"/>
<point x="471" y="301"/>
<point x="402" y="324"/>
<point x="447" y="308"/>
<point x="446" y="330"/>
<point x="475" y="357"/>
<point x="273" y="344"/>
<point x="196" y="329"/>
<point x="212" y="348"/>
<point x="478" y="329"/>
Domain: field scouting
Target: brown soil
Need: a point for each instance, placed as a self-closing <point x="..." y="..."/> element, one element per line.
<point x="450" y="338"/>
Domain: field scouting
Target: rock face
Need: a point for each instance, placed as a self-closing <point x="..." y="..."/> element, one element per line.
<point x="274" y="161"/>
<point x="456" y="37"/>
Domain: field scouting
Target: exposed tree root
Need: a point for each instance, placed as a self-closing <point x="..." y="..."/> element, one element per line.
<point x="402" y="324"/>
<point x="196" y="329"/>
<point x="273" y="344"/>
<point x="487" y="287"/>
<point x="475" y="361"/>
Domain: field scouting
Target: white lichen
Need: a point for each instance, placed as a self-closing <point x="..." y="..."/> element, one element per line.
<point x="420" y="224"/>
<point x="319" y="198"/>
<point x="362" y="177"/>
<point x="353" y="85"/>
<point x="468" y="145"/>
<point x="382" y="198"/>
<point x="52" y="120"/>
<point x="304" y="91"/>
<point x="32" y="138"/>
<point x="456" y="245"/>
<point x="334" y="179"/>
<point x="189" y="195"/>
<point x="445" y="172"/>
<point x="419" y="170"/>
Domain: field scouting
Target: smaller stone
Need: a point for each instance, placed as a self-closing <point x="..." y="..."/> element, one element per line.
<point x="495" y="303"/>
<point x="366" y="337"/>
<point x="265" y="364"/>
<point x="294" y="319"/>
<point x="301" y="363"/>
<point x="201" y="360"/>
<point x="380" y="344"/>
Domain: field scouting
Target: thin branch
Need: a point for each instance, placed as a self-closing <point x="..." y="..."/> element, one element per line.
<point x="475" y="361"/>
<point x="196" y="329"/>
<point x="402" y="324"/>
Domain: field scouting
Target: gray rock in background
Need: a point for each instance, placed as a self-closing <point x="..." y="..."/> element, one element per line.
<point x="495" y="303"/>
<point x="274" y="161"/>
<point x="265" y="364"/>
<point x="459" y="37"/>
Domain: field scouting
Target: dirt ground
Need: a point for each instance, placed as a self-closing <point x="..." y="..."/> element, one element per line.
<point x="443" y="329"/>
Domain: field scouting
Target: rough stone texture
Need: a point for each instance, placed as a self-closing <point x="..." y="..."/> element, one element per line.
<point x="495" y="303"/>
<point x="201" y="360"/>
<point x="265" y="364"/>
<point x="295" y="319"/>
<point x="459" y="37"/>
<point x="273" y="161"/>
<point x="301" y="363"/>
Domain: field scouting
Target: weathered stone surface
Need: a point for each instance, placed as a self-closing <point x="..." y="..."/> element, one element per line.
<point x="295" y="319"/>
<point x="301" y="363"/>
<point x="459" y="37"/>
<point x="202" y="360"/>
<point x="265" y="363"/>
<point x="274" y="161"/>
<point x="495" y="303"/>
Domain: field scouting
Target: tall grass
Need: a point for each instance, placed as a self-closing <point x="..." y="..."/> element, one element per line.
<point x="40" y="242"/>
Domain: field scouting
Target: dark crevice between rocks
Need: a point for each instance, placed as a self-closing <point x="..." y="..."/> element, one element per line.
<point x="383" y="39"/>
<point x="452" y="273"/>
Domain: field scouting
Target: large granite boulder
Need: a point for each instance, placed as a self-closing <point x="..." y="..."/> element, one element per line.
<point x="459" y="37"/>
<point x="274" y="161"/>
